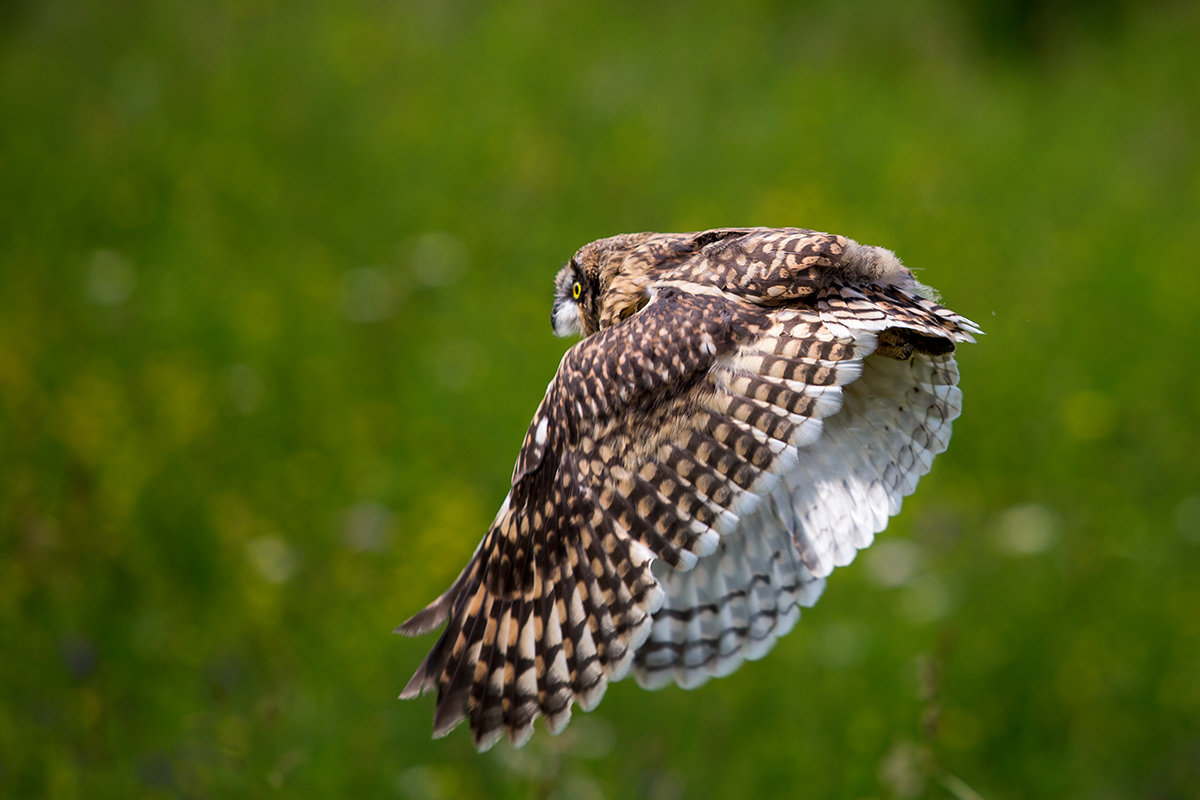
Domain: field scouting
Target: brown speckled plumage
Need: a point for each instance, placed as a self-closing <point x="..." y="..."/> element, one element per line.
<point x="746" y="410"/>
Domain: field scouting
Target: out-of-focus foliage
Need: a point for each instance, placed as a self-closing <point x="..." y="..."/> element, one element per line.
<point x="274" y="299"/>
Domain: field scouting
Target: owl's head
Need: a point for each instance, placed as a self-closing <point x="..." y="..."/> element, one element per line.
<point x="581" y="285"/>
<point x="605" y="281"/>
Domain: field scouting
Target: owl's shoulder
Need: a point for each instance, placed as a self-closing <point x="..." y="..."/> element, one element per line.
<point x="773" y="266"/>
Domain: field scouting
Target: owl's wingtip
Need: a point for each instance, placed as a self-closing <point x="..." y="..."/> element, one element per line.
<point x="419" y="683"/>
<point x="438" y="611"/>
<point x="424" y="620"/>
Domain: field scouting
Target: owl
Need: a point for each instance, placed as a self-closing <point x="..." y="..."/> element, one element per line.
<point x="745" y="411"/>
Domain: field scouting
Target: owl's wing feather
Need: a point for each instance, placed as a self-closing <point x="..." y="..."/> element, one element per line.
<point x="882" y="406"/>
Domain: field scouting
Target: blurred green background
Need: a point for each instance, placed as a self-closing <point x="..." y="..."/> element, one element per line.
<point x="274" y="314"/>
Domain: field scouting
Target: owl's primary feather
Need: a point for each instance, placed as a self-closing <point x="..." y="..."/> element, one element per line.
<point x="747" y="409"/>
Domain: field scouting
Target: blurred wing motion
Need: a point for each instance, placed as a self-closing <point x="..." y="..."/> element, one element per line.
<point x="694" y="472"/>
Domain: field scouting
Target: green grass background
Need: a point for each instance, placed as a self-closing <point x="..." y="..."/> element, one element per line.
<point x="274" y="314"/>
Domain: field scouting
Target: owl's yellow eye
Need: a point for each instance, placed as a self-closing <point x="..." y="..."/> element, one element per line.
<point x="576" y="289"/>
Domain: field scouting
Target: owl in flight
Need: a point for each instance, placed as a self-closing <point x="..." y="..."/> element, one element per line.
<point x="746" y="410"/>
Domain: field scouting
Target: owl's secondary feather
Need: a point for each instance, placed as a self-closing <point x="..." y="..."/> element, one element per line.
<point x="746" y="410"/>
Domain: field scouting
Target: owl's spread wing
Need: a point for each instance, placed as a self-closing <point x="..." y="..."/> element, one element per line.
<point x="559" y="594"/>
<point x="888" y="412"/>
<point x="683" y="434"/>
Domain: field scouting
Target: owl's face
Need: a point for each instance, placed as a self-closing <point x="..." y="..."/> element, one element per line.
<point x="604" y="283"/>
<point x="574" y="312"/>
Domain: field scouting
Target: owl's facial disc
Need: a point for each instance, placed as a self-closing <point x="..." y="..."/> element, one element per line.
<point x="565" y="315"/>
